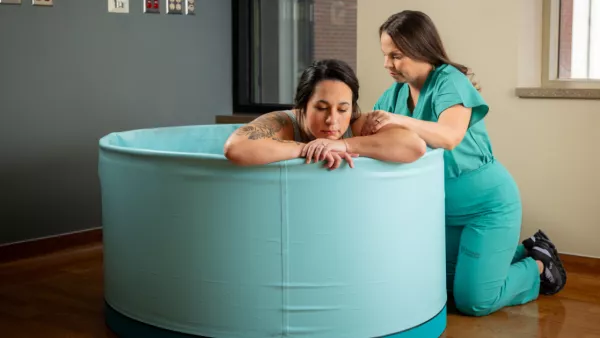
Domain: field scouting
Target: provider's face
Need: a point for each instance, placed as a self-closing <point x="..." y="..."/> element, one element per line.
<point x="401" y="67"/>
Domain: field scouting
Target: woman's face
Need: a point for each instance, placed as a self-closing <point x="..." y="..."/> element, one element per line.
<point x="401" y="67"/>
<point x="329" y="110"/>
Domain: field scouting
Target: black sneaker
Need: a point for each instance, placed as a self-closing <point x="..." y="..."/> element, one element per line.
<point x="554" y="276"/>
<point x="539" y="235"/>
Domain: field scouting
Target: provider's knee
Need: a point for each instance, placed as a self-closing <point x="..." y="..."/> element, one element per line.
<point x="472" y="305"/>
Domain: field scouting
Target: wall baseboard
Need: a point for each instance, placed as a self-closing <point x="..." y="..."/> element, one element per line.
<point x="47" y="245"/>
<point x="581" y="264"/>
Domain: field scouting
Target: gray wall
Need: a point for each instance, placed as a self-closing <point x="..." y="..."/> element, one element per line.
<point x="73" y="73"/>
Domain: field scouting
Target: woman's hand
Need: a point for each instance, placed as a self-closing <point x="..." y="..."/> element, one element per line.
<point x="334" y="159"/>
<point x="376" y="120"/>
<point x="331" y="150"/>
<point x="317" y="149"/>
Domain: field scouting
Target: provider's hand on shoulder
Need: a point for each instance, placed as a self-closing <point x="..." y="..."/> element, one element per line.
<point x="375" y="120"/>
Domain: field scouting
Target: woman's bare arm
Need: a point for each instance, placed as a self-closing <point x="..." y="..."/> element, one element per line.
<point x="391" y="143"/>
<point x="267" y="139"/>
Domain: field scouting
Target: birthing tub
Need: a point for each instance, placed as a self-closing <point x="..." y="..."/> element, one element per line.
<point x="197" y="246"/>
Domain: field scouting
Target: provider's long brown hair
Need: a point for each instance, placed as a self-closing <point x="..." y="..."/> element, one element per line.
<point x="415" y="34"/>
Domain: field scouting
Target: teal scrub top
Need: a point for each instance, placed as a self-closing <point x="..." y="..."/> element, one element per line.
<point x="445" y="87"/>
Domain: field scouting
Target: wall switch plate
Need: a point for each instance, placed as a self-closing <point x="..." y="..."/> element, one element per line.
<point x="10" y="2"/>
<point x="42" y="2"/>
<point x="151" y="6"/>
<point x="175" y="6"/>
<point x="118" y="6"/>
<point x="191" y="7"/>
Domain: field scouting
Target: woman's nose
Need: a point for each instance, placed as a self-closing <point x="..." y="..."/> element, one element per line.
<point x="330" y="119"/>
<point x="387" y="63"/>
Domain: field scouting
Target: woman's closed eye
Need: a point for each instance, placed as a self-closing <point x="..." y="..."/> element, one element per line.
<point x="397" y="56"/>
<point x="340" y="110"/>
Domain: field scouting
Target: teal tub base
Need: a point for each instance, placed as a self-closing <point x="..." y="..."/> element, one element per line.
<point x="125" y="327"/>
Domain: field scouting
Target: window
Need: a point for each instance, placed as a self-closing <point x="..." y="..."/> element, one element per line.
<point x="579" y="39"/>
<point x="572" y="43"/>
<point x="274" y="41"/>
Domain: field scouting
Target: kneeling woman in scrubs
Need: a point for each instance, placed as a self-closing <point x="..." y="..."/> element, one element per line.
<point x="487" y="269"/>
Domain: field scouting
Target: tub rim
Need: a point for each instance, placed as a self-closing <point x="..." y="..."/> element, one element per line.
<point x="104" y="144"/>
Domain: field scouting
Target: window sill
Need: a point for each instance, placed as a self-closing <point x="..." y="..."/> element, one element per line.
<point x="558" y="93"/>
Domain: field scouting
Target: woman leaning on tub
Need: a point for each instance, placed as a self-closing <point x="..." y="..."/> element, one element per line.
<point x="325" y="125"/>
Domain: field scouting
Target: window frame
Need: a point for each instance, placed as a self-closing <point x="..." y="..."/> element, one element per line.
<point x="242" y="20"/>
<point x="551" y="86"/>
<point x="550" y="51"/>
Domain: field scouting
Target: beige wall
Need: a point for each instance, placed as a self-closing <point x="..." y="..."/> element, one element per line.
<point x="548" y="145"/>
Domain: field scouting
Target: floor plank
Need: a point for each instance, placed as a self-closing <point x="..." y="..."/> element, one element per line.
<point x="61" y="295"/>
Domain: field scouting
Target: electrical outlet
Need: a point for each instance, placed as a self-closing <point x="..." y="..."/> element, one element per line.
<point x="152" y="6"/>
<point x="118" y="6"/>
<point x="175" y="6"/>
<point x="10" y="2"/>
<point x="43" y="2"/>
<point x="191" y="7"/>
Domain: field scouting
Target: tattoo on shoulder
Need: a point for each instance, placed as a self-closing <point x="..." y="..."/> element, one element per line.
<point x="264" y="127"/>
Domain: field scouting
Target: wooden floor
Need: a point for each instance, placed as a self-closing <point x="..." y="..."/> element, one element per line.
<point x="61" y="295"/>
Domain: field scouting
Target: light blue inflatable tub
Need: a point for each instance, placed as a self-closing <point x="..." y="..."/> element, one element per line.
<point x="196" y="246"/>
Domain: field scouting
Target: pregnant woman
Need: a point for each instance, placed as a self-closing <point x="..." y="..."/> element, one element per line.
<point x="325" y="124"/>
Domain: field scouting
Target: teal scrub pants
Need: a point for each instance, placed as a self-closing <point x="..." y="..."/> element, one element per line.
<point x="487" y="269"/>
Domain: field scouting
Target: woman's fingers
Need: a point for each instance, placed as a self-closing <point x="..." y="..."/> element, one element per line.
<point x="381" y="120"/>
<point x="310" y="153"/>
<point x="323" y="150"/>
<point x="373" y="122"/>
<point x="304" y="150"/>
<point x="316" y="152"/>
<point x="320" y="152"/>
<point x="339" y="157"/>
<point x="374" y="127"/>
<point x="348" y="159"/>
<point x="366" y="128"/>
<point x="336" y="161"/>
<point x="366" y="125"/>
<point x="330" y="160"/>
<point x="377" y="127"/>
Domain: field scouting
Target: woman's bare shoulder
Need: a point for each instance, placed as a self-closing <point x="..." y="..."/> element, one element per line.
<point x="274" y="125"/>
<point x="358" y="124"/>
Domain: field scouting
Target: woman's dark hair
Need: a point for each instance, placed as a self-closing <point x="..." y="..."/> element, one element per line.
<point x="415" y="34"/>
<point x="320" y="70"/>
